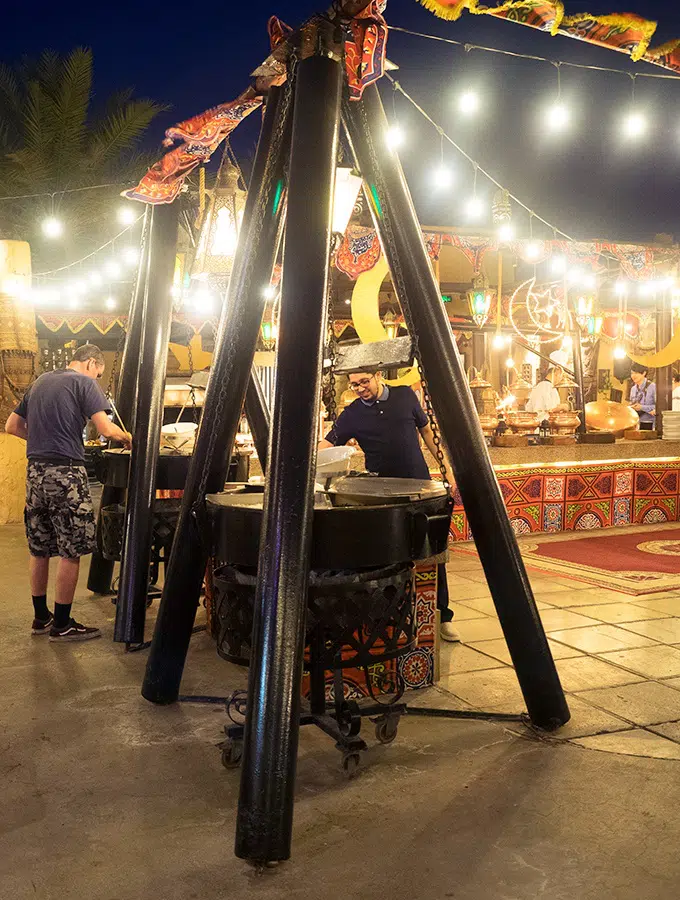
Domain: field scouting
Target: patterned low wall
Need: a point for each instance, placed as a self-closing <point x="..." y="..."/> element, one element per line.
<point x="584" y="496"/>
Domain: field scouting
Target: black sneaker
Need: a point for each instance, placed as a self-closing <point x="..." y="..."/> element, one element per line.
<point x="40" y="627"/>
<point x="74" y="631"/>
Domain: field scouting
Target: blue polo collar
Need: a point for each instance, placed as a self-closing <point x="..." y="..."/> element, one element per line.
<point x="382" y="398"/>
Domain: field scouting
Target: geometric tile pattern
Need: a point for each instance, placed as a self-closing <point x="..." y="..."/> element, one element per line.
<point x="585" y="496"/>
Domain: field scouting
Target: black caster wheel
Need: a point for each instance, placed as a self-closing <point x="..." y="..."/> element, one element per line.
<point x="386" y="729"/>
<point x="350" y="763"/>
<point x="232" y="754"/>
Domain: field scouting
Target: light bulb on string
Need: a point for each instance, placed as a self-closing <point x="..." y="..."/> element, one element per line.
<point x="558" y="115"/>
<point x="635" y="122"/>
<point x="498" y="341"/>
<point x="619" y="352"/>
<point x="510" y="362"/>
<point x="558" y="265"/>
<point x="269" y="292"/>
<point x="127" y="215"/>
<point x="468" y="103"/>
<point x="621" y="288"/>
<point x="533" y="250"/>
<point x="95" y="279"/>
<point x="131" y="256"/>
<point x="506" y="232"/>
<point x="474" y="208"/>
<point x="110" y="303"/>
<point x="52" y="227"/>
<point x="442" y="177"/>
<point x="589" y="281"/>
<point x="395" y="137"/>
<point x="112" y="269"/>
<point x="74" y="303"/>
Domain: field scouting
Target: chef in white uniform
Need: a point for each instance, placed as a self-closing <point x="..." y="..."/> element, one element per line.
<point x="544" y="398"/>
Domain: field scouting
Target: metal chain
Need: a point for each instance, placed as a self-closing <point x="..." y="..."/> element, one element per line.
<point x="331" y="407"/>
<point x="400" y="287"/>
<point x="266" y="188"/>
<point x="123" y="334"/>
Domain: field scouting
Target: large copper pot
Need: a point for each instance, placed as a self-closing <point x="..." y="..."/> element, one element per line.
<point x="482" y="392"/>
<point x="489" y="424"/>
<point x="605" y="415"/>
<point x="520" y="389"/>
<point x="564" y="422"/>
<point x="522" y="422"/>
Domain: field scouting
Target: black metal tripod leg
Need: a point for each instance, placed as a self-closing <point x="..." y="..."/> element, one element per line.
<point x="139" y="509"/>
<point x="232" y="362"/>
<point x="415" y="284"/>
<point x="265" y="810"/>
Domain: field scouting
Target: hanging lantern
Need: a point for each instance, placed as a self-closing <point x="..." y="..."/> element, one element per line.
<point x="219" y="234"/>
<point x="347" y="187"/>
<point x="501" y="210"/>
<point x="479" y="300"/>
<point x="390" y="324"/>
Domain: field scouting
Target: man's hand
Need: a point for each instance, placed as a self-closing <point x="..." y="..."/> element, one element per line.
<point x="636" y="407"/>
<point x="17" y="426"/>
<point x="126" y="440"/>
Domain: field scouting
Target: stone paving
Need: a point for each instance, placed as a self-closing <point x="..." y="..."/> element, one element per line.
<point x="618" y="657"/>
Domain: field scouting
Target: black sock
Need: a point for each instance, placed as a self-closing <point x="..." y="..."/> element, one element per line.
<point x="62" y="614"/>
<point x="40" y="609"/>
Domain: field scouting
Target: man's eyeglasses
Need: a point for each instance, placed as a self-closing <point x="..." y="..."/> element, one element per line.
<point x="358" y="385"/>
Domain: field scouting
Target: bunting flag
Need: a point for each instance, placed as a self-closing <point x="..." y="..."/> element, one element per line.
<point x="623" y="32"/>
<point x="360" y="251"/>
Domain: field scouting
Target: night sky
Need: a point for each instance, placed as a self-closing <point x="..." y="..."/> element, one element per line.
<point x="588" y="182"/>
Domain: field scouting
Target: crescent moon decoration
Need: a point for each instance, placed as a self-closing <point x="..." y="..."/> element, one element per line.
<point x="366" y="314"/>
<point x="541" y="307"/>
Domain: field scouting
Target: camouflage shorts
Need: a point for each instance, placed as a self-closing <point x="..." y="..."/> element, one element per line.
<point x="59" y="517"/>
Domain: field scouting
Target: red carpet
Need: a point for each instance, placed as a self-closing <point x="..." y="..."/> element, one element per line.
<point x="638" y="562"/>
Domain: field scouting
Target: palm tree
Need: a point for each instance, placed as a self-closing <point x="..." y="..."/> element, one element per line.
<point x="52" y="140"/>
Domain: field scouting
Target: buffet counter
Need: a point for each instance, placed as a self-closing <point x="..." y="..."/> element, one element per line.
<point x="584" y="487"/>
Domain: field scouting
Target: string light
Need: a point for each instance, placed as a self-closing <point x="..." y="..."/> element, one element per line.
<point x="468" y="103"/>
<point x="620" y="352"/>
<point x="111" y="303"/>
<point x="395" y="137"/>
<point x="269" y="292"/>
<point x="52" y="228"/>
<point x="510" y="362"/>
<point x="506" y="232"/>
<point x="442" y="177"/>
<point x="131" y="256"/>
<point x="532" y="250"/>
<point x="558" y="265"/>
<point x="112" y="269"/>
<point x="558" y="115"/>
<point x="499" y="341"/>
<point x="621" y="288"/>
<point x="95" y="279"/>
<point x="127" y="215"/>
<point x="635" y="124"/>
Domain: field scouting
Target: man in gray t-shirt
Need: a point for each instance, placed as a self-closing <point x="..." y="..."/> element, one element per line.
<point x="59" y="516"/>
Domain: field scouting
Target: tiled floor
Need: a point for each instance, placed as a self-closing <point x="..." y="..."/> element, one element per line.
<point x="618" y="657"/>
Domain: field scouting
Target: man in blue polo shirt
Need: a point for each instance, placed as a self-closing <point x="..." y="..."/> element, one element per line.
<point x="386" y="423"/>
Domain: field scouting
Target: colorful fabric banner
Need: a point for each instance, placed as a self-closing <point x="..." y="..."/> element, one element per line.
<point x="365" y="48"/>
<point x="200" y="137"/>
<point x="623" y="32"/>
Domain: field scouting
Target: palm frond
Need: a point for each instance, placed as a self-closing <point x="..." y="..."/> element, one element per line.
<point x="10" y="99"/>
<point x="119" y="132"/>
<point x="71" y="104"/>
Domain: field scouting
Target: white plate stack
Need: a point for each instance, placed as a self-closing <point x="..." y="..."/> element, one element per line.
<point x="671" y="425"/>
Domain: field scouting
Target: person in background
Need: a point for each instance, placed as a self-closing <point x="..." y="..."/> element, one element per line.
<point x="386" y="421"/>
<point x="643" y="397"/>
<point x="59" y="516"/>
<point x="676" y="392"/>
<point x="544" y="397"/>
